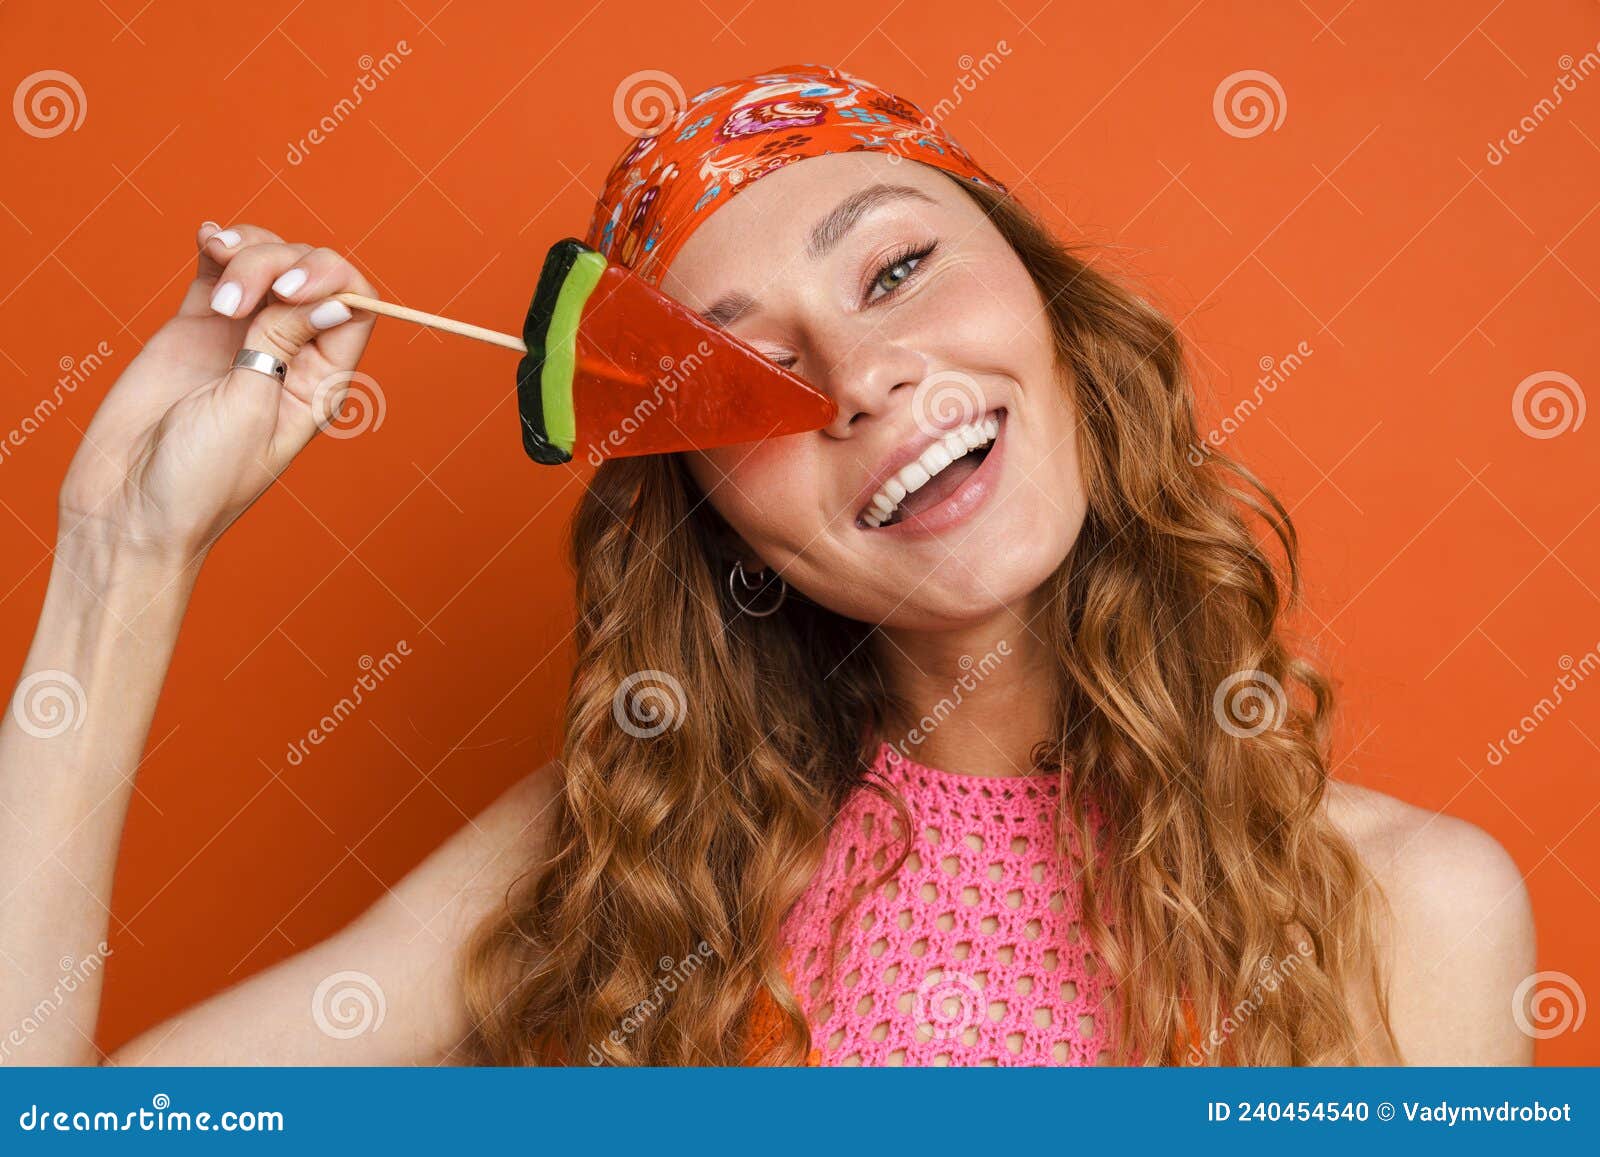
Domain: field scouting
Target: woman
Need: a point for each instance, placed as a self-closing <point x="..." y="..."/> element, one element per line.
<point x="962" y="731"/>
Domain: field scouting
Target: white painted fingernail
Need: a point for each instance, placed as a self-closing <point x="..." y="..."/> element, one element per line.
<point x="330" y="313"/>
<point x="289" y="282"/>
<point x="228" y="237"/>
<point x="227" y="298"/>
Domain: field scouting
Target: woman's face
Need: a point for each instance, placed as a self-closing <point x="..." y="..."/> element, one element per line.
<point x="887" y="288"/>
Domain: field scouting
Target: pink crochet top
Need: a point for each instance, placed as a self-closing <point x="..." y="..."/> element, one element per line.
<point x="971" y="954"/>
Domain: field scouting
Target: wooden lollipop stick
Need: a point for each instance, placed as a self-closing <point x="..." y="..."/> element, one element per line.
<point x="432" y="320"/>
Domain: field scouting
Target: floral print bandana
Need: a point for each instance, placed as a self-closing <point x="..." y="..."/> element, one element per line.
<point x="675" y="175"/>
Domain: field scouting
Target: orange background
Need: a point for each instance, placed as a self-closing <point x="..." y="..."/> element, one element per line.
<point x="1452" y="557"/>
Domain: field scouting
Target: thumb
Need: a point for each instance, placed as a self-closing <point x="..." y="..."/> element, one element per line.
<point x="302" y="402"/>
<point x="283" y="330"/>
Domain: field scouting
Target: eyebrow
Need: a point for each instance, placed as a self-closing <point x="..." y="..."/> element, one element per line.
<point x="824" y="236"/>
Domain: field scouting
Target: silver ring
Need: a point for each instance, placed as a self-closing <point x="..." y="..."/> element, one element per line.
<point x="262" y="363"/>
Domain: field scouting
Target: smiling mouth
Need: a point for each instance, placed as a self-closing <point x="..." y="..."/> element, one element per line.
<point x="938" y="472"/>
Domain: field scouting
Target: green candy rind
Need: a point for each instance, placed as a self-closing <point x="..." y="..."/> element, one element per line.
<point x="555" y="379"/>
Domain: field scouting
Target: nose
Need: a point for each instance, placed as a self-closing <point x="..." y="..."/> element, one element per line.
<point x="862" y="372"/>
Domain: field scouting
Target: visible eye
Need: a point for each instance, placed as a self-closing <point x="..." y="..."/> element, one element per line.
<point x="898" y="270"/>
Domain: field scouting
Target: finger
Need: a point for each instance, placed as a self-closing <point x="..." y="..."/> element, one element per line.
<point x="205" y="264"/>
<point x="317" y="380"/>
<point x="246" y="275"/>
<point x="319" y="273"/>
<point x="317" y="276"/>
<point x="285" y="330"/>
<point x="215" y="246"/>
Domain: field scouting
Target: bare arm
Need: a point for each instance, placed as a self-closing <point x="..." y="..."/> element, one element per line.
<point x="385" y="989"/>
<point x="179" y="448"/>
<point x="70" y="743"/>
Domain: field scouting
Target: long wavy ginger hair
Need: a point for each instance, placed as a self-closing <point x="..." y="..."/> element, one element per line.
<point x="690" y="846"/>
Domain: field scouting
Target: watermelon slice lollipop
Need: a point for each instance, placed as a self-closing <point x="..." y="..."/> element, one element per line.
<point x="612" y="368"/>
<point x="615" y="367"/>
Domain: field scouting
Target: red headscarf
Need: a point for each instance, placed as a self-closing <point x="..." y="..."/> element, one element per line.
<point x="675" y="175"/>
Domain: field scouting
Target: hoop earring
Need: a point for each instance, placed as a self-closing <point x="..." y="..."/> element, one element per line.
<point x="737" y="579"/>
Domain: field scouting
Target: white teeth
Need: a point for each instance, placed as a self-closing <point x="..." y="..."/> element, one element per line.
<point x="915" y="475"/>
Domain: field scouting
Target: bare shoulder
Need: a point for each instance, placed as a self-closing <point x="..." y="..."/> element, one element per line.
<point x="1455" y="932"/>
<point x="386" y="988"/>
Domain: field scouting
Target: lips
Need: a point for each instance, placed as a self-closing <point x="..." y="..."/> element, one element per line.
<point x="934" y="480"/>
